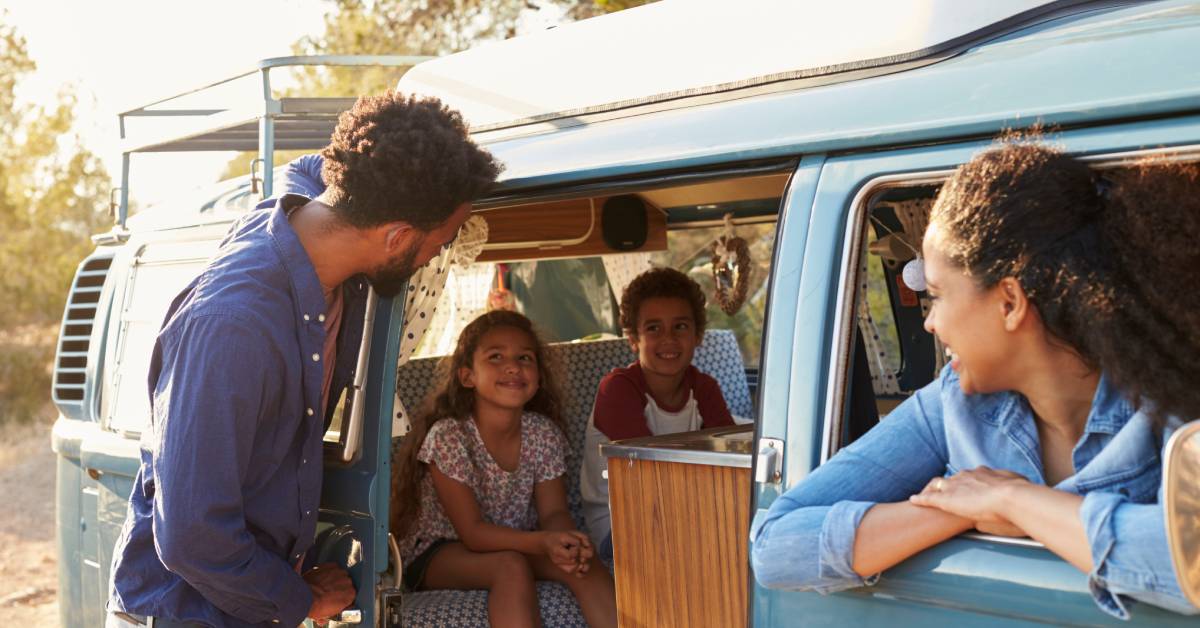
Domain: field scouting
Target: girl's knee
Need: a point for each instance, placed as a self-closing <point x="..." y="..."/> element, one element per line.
<point x="511" y="569"/>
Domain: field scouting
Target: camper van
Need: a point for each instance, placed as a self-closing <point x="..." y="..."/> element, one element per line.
<point x="815" y="133"/>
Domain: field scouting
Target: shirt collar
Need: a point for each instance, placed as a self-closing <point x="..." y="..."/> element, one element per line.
<point x="299" y="267"/>
<point x="1110" y="409"/>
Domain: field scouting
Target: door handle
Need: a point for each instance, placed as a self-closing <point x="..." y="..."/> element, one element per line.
<point x="768" y="464"/>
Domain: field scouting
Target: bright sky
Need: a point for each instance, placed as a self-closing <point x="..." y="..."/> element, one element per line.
<point x="121" y="54"/>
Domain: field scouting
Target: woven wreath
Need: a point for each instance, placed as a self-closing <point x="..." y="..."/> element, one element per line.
<point x="731" y="283"/>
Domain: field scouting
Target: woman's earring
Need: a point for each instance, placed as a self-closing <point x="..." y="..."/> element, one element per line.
<point x="914" y="274"/>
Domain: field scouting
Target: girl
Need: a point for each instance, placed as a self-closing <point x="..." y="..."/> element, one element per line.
<point x="1067" y="303"/>
<point x="478" y="489"/>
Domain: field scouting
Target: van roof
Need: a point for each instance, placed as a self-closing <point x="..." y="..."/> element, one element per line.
<point x="1103" y="62"/>
<point x="676" y="49"/>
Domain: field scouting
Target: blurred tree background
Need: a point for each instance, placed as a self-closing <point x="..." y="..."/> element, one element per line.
<point x="53" y="194"/>
<point x="54" y="191"/>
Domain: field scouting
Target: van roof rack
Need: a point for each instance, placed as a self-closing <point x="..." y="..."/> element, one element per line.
<point x="263" y="123"/>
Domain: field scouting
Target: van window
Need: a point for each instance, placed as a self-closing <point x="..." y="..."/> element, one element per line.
<point x="156" y="276"/>
<point x="690" y="251"/>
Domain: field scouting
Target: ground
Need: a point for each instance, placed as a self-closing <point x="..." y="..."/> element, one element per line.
<point x="28" y="572"/>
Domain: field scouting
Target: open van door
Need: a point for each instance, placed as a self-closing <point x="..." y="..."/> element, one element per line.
<point x="973" y="579"/>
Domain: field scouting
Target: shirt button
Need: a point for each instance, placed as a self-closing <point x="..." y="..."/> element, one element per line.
<point x="306" y="317"/>
<point x="316" y="357"/>
<point x="274" y="621"/>
<point x="309" y="411"/>
<point x="307" y="513"/>
<point x="304" y="461"/>
<point x="321" y="317"/>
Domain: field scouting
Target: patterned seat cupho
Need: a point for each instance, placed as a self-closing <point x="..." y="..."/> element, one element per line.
<point x="581" y="366"/>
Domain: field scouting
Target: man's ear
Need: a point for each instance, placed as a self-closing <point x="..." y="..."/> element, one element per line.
<point x="397" y="235"/>
<point x="1014" y="303"/>
<point x="466" y="377"/>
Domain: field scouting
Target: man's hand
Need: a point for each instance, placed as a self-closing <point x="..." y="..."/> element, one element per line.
<point x="332" y="591"/>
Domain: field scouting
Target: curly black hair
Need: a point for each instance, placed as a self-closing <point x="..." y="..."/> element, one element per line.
<point x="396" y="157"/>
<point x="1108" y="259"/>
<point x="661" y="282"/>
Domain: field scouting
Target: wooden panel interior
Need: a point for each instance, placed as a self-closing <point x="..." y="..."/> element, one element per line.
<point x="679" y="537"/>
<point x="724" y="191"/>
<point x="569" y="228"/>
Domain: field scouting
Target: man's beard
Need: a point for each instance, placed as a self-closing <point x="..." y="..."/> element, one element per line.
<point x="389" y="279"/>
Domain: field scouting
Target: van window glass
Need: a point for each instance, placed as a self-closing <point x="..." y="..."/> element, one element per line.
<point x="153" y="282"/>
<point x="690" y="251"/>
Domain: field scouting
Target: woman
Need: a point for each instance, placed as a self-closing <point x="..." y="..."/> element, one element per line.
<point x="1068" y="305"/>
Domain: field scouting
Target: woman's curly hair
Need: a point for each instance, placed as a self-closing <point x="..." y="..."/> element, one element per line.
<point x="661" y="282"/>
<point x="1109" y="258"/>
<point x="396" y="157"/>
<point x="455" y="401"/>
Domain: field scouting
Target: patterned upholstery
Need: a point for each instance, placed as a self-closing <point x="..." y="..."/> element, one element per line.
<point x="468" y="609"/>
<point x="581" y="366"/>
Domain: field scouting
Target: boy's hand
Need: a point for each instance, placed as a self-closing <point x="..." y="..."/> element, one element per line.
<point x="568" y="549"/>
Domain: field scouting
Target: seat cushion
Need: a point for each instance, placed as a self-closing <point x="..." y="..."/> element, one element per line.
<point x="469" y="608"/>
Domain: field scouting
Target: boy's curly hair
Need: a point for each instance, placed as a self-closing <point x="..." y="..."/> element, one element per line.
<point x="396" y="157"/>
<point x="661" y="282"/>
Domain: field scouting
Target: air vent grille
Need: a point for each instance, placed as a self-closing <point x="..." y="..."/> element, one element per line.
<point x="70" y="365"/>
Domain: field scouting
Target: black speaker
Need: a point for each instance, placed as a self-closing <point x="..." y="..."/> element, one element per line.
<point x="623" y="222"/>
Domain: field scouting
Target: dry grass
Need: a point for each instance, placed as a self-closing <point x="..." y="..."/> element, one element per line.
<point x="28" y="571"/>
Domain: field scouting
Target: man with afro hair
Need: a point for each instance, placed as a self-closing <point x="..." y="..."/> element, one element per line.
<point x="252" y="354"/>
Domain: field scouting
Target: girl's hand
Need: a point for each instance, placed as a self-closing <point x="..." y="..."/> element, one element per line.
<point x="568" y="549"/>
<point x="979" y="494"/>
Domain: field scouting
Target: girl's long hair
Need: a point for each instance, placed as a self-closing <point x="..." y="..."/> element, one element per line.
<point x="454" y="401"/>
<point x="1110" y="259"/>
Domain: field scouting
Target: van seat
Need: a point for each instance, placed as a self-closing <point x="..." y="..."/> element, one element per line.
<point x="581" y="366"/>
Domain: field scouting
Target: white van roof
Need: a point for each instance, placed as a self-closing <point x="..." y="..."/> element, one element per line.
<point x="680" y="48"/>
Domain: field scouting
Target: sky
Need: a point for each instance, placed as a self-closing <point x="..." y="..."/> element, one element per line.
<point x="121" y="54"/>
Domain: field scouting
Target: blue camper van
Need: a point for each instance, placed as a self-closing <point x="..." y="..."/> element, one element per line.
<point x="812" y="132"/>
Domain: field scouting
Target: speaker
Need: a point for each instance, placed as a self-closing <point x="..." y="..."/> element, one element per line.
<point x="623" y="222"/>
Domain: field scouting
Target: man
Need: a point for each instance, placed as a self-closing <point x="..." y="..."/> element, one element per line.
<point x="225" y="503"/>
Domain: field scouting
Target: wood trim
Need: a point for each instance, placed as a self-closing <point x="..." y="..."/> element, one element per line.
<point x="557" y="221"/>
<point x="680" y="535"/>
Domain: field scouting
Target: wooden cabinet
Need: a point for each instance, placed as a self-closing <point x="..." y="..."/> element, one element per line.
<point x="680" y="536"/>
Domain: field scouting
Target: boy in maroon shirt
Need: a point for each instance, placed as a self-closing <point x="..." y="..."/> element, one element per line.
<point x="662" y="313"/>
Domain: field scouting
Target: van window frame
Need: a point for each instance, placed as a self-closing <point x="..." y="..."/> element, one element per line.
<point x="853" y="244"/>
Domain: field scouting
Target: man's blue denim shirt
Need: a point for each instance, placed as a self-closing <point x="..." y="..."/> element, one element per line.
<point x="225" y="501"/>
<point x="806" y="539"/>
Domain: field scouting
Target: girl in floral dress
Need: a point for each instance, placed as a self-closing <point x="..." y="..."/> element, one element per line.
<point x="478" y="495"/>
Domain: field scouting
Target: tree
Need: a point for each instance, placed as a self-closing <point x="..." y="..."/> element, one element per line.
<point x="52" y="195"/>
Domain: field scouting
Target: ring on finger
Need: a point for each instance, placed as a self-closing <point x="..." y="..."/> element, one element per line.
<point x="937" y="484"/>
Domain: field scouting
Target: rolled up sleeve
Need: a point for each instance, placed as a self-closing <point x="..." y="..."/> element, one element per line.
<point x="806" y="539"/>
<point x="1130" y="556"/>
<point x="207" y="404"/>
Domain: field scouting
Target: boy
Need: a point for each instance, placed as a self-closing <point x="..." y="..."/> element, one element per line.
<point x="662" y="313"/>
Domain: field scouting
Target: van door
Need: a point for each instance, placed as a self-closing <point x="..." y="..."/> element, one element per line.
<point x="967" y="581"/>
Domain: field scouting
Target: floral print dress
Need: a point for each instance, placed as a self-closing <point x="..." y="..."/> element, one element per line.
<point x="505" y="498"/>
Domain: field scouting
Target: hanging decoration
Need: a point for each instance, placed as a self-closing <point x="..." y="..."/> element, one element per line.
<point x="731" y="269"/>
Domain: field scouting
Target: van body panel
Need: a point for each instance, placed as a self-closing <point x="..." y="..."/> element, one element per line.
<point x="1043" y="73"/>
<point x="1016" y="581"/>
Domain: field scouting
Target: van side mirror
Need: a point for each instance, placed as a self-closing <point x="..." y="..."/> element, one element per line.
<point x="1181" y="499"/>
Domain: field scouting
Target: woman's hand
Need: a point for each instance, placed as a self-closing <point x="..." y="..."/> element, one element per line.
<point x="570" y="550"/>
<point x="980" y="494"/>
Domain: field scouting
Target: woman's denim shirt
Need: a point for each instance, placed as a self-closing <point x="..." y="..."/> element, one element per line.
<point x="806" y="539"/>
